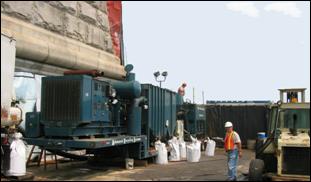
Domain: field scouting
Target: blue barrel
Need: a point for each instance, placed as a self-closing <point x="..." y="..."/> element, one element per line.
<point x="261" y="135"/>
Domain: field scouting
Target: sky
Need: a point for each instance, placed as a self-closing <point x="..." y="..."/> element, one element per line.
<point x="228" y="50"/>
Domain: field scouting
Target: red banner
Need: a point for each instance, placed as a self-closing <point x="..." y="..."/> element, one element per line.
<point x="114" y="9"/>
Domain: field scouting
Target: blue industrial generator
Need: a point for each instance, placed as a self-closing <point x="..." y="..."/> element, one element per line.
<point x="78" y="105"/>
<point x="80" y="111"/>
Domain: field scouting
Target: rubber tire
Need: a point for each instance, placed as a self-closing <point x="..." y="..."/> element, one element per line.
<point x="256" y="168"/>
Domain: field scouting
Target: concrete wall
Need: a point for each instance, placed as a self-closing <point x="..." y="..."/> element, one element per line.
<point x="65" y="34"/>
<point x="85" y="21"/>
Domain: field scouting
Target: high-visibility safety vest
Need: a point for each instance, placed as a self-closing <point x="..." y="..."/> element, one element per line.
<point x="229" y="142"/>
<point x="294" y="100"/>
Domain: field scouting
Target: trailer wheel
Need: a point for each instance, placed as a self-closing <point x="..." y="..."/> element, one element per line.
<point x="256" y="168"/>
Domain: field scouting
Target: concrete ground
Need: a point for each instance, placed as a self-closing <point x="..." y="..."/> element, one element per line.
<point x="208" y="169"/>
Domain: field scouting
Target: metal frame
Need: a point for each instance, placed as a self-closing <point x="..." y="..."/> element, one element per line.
<point x="93" y="143"/>
<point x="90" y="143"/>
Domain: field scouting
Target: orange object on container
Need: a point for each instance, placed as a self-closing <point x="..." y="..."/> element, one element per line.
<point x="114" y="9"/>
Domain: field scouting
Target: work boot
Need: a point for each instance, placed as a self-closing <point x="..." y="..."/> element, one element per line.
<point x="234" y="179"/>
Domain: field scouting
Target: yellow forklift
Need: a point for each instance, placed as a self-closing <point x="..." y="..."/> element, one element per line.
<point x="285" y="154"/>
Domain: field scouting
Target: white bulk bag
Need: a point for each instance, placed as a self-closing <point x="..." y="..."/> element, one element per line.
<point x="174" y="153"/>
<point x="194" y="151"/>
<point x="17" y="157"/>
<point x="210" y="148"/>
<point x="162" y="153"/>
<point x="183" y="150"/>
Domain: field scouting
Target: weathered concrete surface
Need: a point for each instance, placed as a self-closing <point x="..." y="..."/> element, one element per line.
<point x="66" y="34"/>
<point x="208" y="169"/>
<point x="86" y="22"/>
<point x="37" y="44"/>
<point x="22" y="65"/>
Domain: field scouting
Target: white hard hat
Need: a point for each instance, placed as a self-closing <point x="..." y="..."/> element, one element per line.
<point x="228" y="124"/>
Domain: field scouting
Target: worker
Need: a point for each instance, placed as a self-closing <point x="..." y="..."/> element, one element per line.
<point x="233" y="149"/>
<point x="181" y="89"/>
<point x="294" y="97"/>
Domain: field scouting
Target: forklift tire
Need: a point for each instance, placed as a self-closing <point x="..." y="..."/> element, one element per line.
<point x="256" y="168"/>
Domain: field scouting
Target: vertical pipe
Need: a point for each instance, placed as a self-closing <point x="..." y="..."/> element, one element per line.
<point x="203" y="97"/>
<point x="134" y="124"/>
<point x="193" y="95"/>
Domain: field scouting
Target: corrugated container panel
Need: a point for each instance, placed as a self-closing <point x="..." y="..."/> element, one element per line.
<point x="247" y="120"/>
<point x="162" y="110"/>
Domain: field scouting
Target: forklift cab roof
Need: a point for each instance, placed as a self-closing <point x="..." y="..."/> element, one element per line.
<point x="292" y="95"/>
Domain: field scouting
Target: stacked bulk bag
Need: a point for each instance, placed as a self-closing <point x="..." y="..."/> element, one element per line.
<point x="183" y="150"/>
<point x="174" y="152"/>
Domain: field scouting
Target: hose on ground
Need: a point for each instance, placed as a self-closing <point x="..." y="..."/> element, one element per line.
<point x="68" y="155"/>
